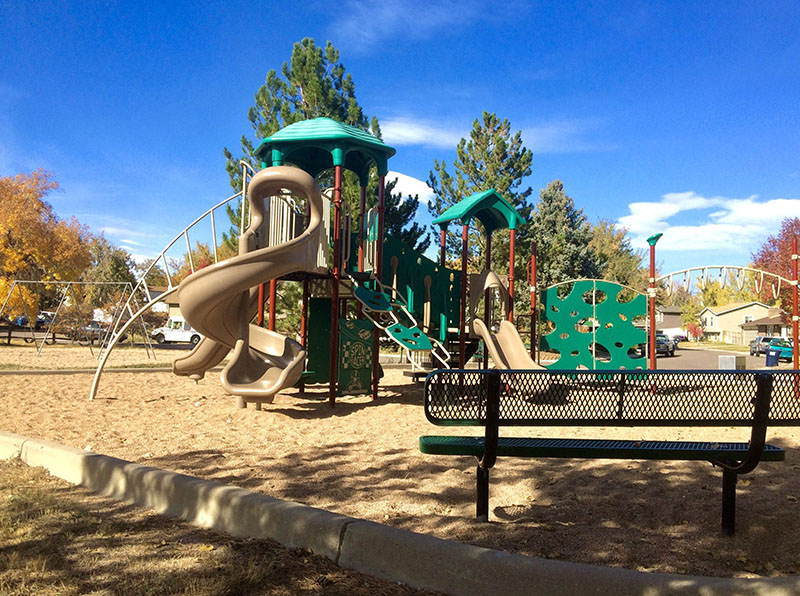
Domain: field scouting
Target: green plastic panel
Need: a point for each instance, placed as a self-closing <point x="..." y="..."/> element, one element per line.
<point x="413" y="339"/>
<point x="355" y="356"/>
<point x="355" y="350"/>
<point x="375" y="301"/>
<point x="589" y="316"/>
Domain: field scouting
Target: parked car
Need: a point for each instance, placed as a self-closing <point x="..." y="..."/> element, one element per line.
<point x="664" y="345"/>
<point x="759" y="345"/>
<point x="783" y="347"/>
<point x="176" y="329"/>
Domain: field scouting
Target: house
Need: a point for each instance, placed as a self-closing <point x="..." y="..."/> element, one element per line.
<point x="724" y="323"/>
<point x="668" y="320"/>
<point x="169" y="305"/>
<point x="777" y="323"/>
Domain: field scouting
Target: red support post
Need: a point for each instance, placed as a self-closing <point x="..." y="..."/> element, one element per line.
<point x="362" y="216"/>
<point x="260" y="318"/>
<point x="337" y="258"/>
<point x="534" y="292"/>
<point x="442" y="247"/>
<point x="378" y="270"/>
<point x="462" y="320"/>
<point x="795" y="342"/>
<point x="487" y="311"/>
<point x="511" y="247"/>
<point x="273" y="298"/>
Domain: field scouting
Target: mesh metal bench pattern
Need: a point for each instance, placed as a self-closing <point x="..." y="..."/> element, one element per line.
<point x="493" y="399"/>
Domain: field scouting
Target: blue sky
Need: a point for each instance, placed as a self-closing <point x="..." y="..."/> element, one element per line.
<point x="674" y="117"/>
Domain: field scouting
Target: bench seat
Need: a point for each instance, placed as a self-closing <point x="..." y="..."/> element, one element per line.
<point x="596" y="448"/>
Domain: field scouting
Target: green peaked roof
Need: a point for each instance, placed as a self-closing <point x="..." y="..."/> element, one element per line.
<point x="488" y="207"/>
<point x="322" y="143"/>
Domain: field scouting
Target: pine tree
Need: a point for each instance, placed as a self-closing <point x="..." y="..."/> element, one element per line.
<point x="399" y="213"/>
<point x="563" y="236"/>
<point x="495" y="158"/>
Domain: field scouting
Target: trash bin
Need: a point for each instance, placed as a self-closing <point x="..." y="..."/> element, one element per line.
<point x="772" y="357"/>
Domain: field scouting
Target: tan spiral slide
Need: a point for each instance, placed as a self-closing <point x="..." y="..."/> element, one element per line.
<point x="220" y="300"/>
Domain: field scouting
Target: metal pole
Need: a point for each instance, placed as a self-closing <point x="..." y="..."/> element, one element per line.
<point x="442" y="247"/>
<point x="337" y="257"/>
<point x="511" y="246"/>
<point x="378" y="270"/>
<point x="462" y="321"/>
<point x="795" y="318"/>
<point x="651" y="294"/>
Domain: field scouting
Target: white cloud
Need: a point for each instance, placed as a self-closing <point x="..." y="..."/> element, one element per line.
<point x="365" y="24"/>
<point x="564" y="136"/>
<point x="408" y="185"/>
<point x="408" y="131"/>
<point x="734" y="225"/>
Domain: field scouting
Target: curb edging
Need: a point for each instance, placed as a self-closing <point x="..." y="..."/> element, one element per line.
<point x="418" y="560"/>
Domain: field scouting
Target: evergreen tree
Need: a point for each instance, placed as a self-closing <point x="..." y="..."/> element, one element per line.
<point x="563" y="236"/>
<point x="495" y="158"/>
<point x="312" y="84"/>
<point x="398" y="214"/>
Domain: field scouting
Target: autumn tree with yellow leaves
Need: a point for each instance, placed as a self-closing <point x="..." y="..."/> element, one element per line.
<point x="35" y="244"/>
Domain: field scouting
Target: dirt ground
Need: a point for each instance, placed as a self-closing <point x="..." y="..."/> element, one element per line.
<point x="362" y="459"/>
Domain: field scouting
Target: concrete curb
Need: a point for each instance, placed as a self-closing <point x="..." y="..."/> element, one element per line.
<point x="418" y="560"/>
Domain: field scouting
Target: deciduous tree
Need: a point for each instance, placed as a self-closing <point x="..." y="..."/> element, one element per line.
<point x="617" y="260"/>
<point x="775" y="255"/>
<point x="35" y="244"/>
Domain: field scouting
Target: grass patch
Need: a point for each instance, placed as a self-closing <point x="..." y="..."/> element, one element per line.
<point x="718" y="345"/>
<point x="56" y="539"/>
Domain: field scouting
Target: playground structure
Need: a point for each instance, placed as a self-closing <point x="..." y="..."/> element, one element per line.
<point x="397" y="292"/>
<point x="351" y="298"/>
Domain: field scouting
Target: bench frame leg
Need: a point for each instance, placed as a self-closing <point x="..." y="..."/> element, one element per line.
<point x="729" y="479"/>
<point x="482" y="488"/>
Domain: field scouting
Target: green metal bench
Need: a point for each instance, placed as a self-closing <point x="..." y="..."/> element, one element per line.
<point x="494" y="399"/>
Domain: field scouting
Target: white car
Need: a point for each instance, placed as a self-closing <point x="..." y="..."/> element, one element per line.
<point x="178" y="330"/>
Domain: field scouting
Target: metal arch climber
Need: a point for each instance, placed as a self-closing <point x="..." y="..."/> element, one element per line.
<point x="591" y="316"/>
<point x="702" y="276"/>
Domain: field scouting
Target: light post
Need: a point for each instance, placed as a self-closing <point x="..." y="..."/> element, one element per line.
<point x="651" y="300"/>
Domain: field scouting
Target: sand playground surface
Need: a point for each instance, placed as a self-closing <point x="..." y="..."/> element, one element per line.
<point x="362" y="459"/>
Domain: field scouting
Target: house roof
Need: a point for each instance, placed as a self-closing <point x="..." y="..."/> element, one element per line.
<point x="780" y="318"/>
<point x="725" y="308"/>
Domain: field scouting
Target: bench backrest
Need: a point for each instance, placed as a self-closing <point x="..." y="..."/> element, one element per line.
<point x="619" y="398"/>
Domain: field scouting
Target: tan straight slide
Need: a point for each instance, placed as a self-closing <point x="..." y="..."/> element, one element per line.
<point x="506" y="347"/>
<point x="219" y="301"/>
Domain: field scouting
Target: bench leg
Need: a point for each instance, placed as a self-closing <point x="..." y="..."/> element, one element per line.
<point x="482" y="503"/>
<point x="729" y="501"/>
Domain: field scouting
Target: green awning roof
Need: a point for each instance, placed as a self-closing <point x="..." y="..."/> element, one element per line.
<point x="488" y="207"/>
<point x="322" y="143"/>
